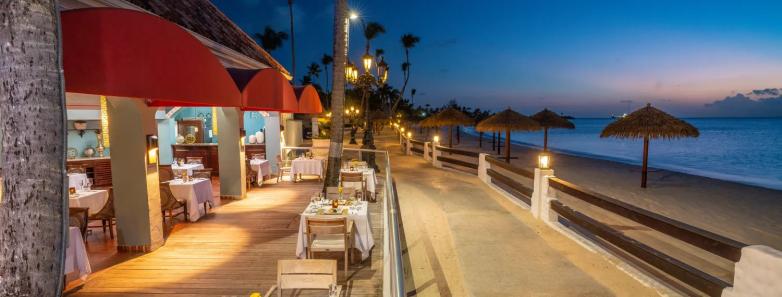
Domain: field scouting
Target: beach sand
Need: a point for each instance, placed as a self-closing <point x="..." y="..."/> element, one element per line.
<point x="749" y="214"/>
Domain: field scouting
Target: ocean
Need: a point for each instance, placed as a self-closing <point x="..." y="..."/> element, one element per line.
<point x="744" y="150"/>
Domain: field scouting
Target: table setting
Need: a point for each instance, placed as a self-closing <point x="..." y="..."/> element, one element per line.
<point x="262" y="168"/>
<point x="354" y="210"/>
<point x="195" y="192"/>
<point x="84" y="196"/>
<point x="369" y="175"/>
<point x="306" y="165"/>
<point x="77" y="180"/>
<point x="182" y="168"/>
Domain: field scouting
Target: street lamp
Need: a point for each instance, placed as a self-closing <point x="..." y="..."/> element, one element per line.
<point x="382" y="71"/>
<point x="367" y="60"/>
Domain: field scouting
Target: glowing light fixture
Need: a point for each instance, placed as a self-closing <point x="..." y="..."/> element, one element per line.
<point x="409" y="134"/>
<point x="382" y="71"/>
<point x="353" y="15"/>
<point x="436" y="139"/>
<point x="152" y="149"/>
<point x="367" y="60"/>
<point x="214" y="121"/>
<point x="544" y="161"/>
<point x="104" y="121"/>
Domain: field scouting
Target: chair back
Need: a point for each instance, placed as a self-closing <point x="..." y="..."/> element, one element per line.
<point x="306" y="274"/>
<point x="333" y="192"/>
<point x="203" y="173"/>
<point x="194" y="160"/>
<point x="352" y="176"/>
<point x="258" y="156"/>
<point x="282" y="163"/>
<point x="78" y="217"/>
<point x="107" y="212"/>
<point x="325" y="225"/>
<point x="76" y="169"/>
<point x="167" y="199"/>
<point x="165" y="173"/>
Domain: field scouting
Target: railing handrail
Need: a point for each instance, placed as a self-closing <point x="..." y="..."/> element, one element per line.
<point x="458" y="151"/>
<point x="714" y="243"/>
<point x="514" y="169"/>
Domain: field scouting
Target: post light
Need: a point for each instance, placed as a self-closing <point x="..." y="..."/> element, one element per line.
<point x="353" y="15"/>
<point x="544" y="161"/>
<point x="409" y="134"/>
<point x="402" y="129"/>
<point x="354" y="74"/>
<point x="349" y="70"/>
<point x="382" y="71"/>
<point x="367" y="60"/>
<point x="152" y="149"/>
<point x="436" y="139"/>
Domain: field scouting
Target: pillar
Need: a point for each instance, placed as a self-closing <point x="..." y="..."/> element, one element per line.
<point x="483" y="165"/>
<point x="540" y="203"/>
<point x="427" y="145"/>
<point x="135" y="182"/>
<point x="408" y="147"/>
<point x="315" y="127"/>
<point x="272" y="121"/>
<point x="435" y="155"/>
<point x="230" y="150"/>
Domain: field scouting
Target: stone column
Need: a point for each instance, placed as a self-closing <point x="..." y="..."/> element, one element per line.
<point x="272" y="138"/>
<point x="427" y="145"/>
<point x="135" y="182"/>
<point x="230" y="150"/>
<point x="540" y="202"/>
<point x="483" y="165"/>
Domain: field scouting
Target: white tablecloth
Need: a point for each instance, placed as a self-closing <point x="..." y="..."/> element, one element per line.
<point x="262" y="168"/>
<point x="179" y="169"/>
<point x="76" y="180"/>
<point x="306" y="166"/>
<point x="93" y="199"/>
<point x="369" y="176"/>
<point x="362" y="230"/>
<point x="76" y="255"/>
<point x="194" y="193"/>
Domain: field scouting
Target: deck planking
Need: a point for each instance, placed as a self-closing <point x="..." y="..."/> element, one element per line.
<point x="233" y="251"/>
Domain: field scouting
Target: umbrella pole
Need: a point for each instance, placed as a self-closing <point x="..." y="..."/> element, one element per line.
<point x="450" y="136"/>
<point x="507" y="146"/>
<point x="499" y="143"/>
<point x="458" y="135"/>
<point x="645" y="168"/>
<point x="493" y="140"/>
<point x="480" y="139"/>
<point x="545" y="139"/>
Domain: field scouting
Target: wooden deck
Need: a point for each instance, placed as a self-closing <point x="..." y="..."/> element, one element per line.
<point x="234" y="251"/>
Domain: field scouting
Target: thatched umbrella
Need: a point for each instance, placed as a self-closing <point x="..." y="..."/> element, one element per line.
<point x="448" y="117"/>
<point x="649" y="122"/>
<point x="507" y="120"/>
<point x="548" y="119"/>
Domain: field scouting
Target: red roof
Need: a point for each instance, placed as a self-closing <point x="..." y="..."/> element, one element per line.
<point x="264" y="89"/>
<point x="127" y="53"/>
<point x="309" y="100"/>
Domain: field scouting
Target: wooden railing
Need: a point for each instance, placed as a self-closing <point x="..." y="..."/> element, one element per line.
<point x="517" y="170"/>
<point x="458" y="162"/>
<point x="515" y="188"/>
<point x="458" y="152"/>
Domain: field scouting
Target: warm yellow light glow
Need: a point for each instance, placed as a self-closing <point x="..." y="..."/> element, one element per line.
<point x="436" y="139"/>
<point x="358" y="111"/>
<point x="214" y="120"/>
<point x="402" y="129"/>
<point x="152" y="154"/>
<point x="104" y="121"/>
<point x="543" y="161"/>
<point x="409" y="134"/>
<point x="367" y="59"/>
<point x="353" y="15"/>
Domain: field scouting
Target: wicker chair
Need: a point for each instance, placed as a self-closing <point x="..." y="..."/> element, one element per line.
<point x="250" y="175"/>
<point x="169" y="203"/>
<point x="354" y="177"/>
<point x="165" y="173"/>
<point x="106" y="215"/>
<point x="194" y="160"/>
<point x="78" y="217"/>
<point x="76" y="169"/>
<point x="283" y="166"/>
<point x="329" y="234"/>
<point x="203" y="173"/>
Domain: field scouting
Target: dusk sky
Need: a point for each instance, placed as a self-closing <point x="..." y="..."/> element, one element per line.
<point x="577" y="57"/>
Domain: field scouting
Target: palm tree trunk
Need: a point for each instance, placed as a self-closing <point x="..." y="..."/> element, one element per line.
<point x="545" y="139"/>
<point x="645" y="168"/>
<point x="32" y="205"/>
<point x="293" y="43"/>
<point x="392" y="110"/>
<point x="337" y="92"/>
<point x="507" y="146"/>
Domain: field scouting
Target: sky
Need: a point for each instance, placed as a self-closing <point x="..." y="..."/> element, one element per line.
<point x="581" y="58"/>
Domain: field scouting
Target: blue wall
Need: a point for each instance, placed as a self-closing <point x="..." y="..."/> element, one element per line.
<point x="89" y="139"/>
<point x="253" y="122"/>
<point x="193" y="112"/>
<point x="166" y="131"/>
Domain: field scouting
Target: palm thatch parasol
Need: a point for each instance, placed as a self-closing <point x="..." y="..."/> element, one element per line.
<point x="649" y="122"/>
<point x="448" y="117"/>
<point x="507" y="120"/>
<point x="549" y="119"/>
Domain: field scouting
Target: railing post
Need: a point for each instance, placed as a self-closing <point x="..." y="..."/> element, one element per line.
<point x="435" y="155"/>
<point x="483" y="165"/>
<point x="426" y="151"/>
<point x="540" y="202"/>
<point x="408" y="146"/>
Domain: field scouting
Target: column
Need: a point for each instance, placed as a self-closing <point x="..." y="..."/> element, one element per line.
<point x="272" y="138"/>
<point x="135" y="181"/>
<point x="230" y="151"/>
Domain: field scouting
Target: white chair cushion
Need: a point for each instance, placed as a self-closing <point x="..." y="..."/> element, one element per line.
<point x="328" y="242"/>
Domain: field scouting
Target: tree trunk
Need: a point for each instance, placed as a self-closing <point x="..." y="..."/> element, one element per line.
<point x="480" y="139"/>
<point x="645" y="167"/>
<point x="545" y="139"/>
<point x="293" y="43"/>
<point x="507" y="146"/>
<point x="32" y="205"/>
<point x="450" y="136"/>
<point x="337" y="92"/>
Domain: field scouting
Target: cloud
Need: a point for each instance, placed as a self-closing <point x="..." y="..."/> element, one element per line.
<point x="743" y="105"/>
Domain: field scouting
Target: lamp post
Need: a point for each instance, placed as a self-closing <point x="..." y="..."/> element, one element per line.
<point x="351" y="114"/>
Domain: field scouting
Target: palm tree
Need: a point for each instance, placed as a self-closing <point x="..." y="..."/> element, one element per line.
<point x="379" y="52"/>
<point x="326" y="60"/>
<point x="313" y="70"/>
<point x="372" y="30"/>
<point x="408" y="41"/>
<point x="32" y="103"/>
<point x="338" y="93"/>
<point x="293" y="45"/>
<point x="271" y="39"/>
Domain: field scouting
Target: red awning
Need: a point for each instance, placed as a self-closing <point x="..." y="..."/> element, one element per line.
<point x="309" y="100"/>
<point x="265" y="90"/>
<point x="127" y="53"/>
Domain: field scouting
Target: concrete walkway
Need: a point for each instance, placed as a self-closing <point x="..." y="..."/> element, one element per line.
<point x="464" y="239"/>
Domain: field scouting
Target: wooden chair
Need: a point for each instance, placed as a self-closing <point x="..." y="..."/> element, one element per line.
<point x="329" y="234"/>
<point x="194" y="160"/>
<point x="165" y="173"/>
<point x="283" y="166"/>
<point x="76" y="169"/>
<point x="78" y="217"/>
<point x="308" y="275"/>
<point x="258" y="156"/>
<point x="333" y="192"/>
<point x="354" y="177"/>
<point x="106" y="215"/>
<point x="169" y="203"/>
<point x="203" y="173"/>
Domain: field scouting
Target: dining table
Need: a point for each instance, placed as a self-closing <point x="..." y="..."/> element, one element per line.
<point x="369" y="177"/>
<point x="77" y="180"/>
<point x="195" y="193"/>
<point x="262" y="168"/>
<point x="357" y="212"/>
<point x="179" y="169"/>
<point x="306" y="166"/>
<point x="76" y="260"/>
<point x="92" y="199"/>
